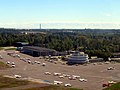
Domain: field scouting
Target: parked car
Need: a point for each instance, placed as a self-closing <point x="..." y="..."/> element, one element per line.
<point x="68" y="85"/>
<point x="17" y="76"/>
<point x="110" y="68"/>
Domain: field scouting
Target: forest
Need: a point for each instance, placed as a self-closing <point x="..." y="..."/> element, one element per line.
<point x="101" y="45"/>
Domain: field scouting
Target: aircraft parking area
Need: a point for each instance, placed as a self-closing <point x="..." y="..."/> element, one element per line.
<point x="87" y="77"/>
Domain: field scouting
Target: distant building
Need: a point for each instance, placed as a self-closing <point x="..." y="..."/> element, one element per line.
<point x="94" y="60"/>
<point x="116" y="55"/>
<point x="20" y="45"/>
<point x="94" y="57"/>
<point x="39" y="51"/>
<point x="78" y="58"/>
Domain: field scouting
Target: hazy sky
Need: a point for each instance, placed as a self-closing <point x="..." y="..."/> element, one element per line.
<point x="60" y="13"/>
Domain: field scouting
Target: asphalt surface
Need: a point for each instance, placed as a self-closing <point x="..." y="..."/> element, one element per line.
<point x="96" y="75"/>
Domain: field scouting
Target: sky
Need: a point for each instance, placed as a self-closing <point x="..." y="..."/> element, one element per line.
<point x="61" y="14"/>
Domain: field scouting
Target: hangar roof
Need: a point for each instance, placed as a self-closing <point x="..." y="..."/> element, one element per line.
<point x="38" y="49"/>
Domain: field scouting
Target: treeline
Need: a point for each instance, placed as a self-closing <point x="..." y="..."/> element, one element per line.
<point x="90" y="43"/>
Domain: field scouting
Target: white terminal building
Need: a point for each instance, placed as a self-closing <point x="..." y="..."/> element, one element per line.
<point x="78" y="58"/>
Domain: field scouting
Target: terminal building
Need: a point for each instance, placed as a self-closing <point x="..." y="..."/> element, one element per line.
<point x="38" y="51"/>
<point x="78" y="58"/>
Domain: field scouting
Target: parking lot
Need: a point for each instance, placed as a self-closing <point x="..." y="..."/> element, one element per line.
<point x="34" y="67"/>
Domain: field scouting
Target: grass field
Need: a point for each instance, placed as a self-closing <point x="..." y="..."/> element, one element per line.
<point x="8" y="48"/>
<point x="10" y="82"/>
<point x="52" y="87"/>
<point x="3" y="65"/>
<point x="113" y="87"/>
<point x="6" y="82"/>
<point x="1" y="48"/>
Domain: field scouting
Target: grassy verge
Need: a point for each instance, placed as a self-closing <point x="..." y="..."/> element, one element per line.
<point x="1" y="48"/>
<point x="10" y="49"/>
<point x="6" y="82"/>
<point x="10" y="82"/>
<point x="113" y="87"/>
<point x="52" y="87"/>
<point x="3" y="65"/>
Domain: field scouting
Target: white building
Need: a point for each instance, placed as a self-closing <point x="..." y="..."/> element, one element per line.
<point x="78" y="58"/>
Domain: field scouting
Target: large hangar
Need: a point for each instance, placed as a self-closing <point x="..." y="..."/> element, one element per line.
<point x="38" y="51"/>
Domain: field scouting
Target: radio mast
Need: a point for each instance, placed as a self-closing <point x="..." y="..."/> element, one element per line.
<point x="40" y="26"/>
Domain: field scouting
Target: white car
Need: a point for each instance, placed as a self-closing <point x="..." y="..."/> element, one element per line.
<point x="51" y="61"/>
<point x="110" y="68"/>
<point x="43" y="64"/>
<point x="75" y="76"/>
<point x="57" y="74"/>
<point x="1" y="57"/>
<point x="66" y="75"/>
<point x="61" y="76"/>
<point x="13" y="63"/>
<point x="29" y="62"/>
<point x="8" y="62"/>
<point x="71" y="78"/>
<point x="17" y="76"/>
<point x="47" y="73"/>
<point x="83" y="80"/>
<point x="57" y="82"/>
<point x="38" y="62"/>
<point x="111" y="82"/>
<point x="17" y="55"/>
<point x="68" y="85"/>
<point x="13" y="66"/>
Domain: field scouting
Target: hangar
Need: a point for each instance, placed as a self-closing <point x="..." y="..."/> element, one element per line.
<point x="38" y="51"/>
<point x="20" y="45"/>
